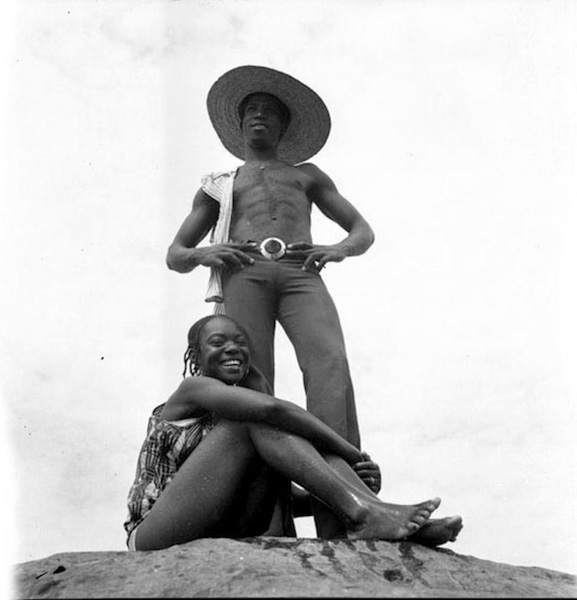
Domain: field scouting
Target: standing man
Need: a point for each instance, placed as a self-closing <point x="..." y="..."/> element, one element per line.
<point x="264" y="265"/>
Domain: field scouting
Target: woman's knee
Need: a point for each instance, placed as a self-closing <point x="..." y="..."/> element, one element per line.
<point x="230" y="427"/>
<point x="245" y="428"/>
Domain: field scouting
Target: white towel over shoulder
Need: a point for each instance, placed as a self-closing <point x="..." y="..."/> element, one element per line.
<point x="219" y="185"/>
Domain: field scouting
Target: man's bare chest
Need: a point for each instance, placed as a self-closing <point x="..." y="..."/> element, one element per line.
<point x="258" y="176"/>
<point x="255" y="187"/>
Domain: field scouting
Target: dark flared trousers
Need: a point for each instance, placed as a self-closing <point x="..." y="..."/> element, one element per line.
<point x="261" y="294"/>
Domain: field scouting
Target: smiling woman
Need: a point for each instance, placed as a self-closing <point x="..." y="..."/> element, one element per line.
<point x="221" y="453"/>
<point x="222" y="351"/>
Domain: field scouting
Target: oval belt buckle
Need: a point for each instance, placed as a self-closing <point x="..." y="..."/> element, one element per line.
<point x="273" y="248"/>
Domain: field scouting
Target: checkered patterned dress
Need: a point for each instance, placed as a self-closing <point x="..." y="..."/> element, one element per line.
<point x="166" y="447"/>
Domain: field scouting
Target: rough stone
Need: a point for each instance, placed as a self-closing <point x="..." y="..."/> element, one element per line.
<point x="282" y="567"/>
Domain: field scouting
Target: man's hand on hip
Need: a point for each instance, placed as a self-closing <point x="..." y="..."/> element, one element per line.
<point x="226" y="256"/>
<point x="317" y="256"/>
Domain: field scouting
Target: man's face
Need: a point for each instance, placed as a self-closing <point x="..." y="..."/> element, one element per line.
<point x="263" y="120"/>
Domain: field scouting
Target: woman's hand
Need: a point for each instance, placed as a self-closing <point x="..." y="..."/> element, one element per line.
<point x="369" y="472"/>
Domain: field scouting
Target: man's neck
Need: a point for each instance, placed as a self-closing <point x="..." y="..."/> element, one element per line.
<point x="252" y="155"/>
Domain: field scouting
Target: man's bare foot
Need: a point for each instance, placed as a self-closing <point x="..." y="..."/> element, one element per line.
<point x="385" y="521"/>
<point x="438" y="531"/>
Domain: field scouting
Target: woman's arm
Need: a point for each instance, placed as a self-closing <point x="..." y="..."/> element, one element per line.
<point x="242" y="404"/>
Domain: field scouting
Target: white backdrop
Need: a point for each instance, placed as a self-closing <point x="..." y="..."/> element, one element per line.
<point x="454" y="133"/>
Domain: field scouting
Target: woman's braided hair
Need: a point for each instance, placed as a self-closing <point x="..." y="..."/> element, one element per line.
<point x="191" y="366"/>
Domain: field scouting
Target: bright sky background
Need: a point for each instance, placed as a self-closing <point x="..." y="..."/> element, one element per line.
<point x="454" y="133"/>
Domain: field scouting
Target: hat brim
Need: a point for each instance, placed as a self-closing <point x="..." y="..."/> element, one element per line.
<point x="310" y="122"/>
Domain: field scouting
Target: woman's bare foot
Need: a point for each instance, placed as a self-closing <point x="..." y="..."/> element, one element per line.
<point x="438" y="531"/>
<point x="385" y="521"/>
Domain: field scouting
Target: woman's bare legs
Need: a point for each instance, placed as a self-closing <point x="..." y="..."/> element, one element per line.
<point x="206" y="486"/>
<point x="436" y="532"/>
<point x="433" y="533"/>
<point x="364" y="515"/>
<point x="254" y="505"/>
<point x="204" y="494"/>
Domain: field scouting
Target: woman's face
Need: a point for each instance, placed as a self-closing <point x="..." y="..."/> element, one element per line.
<point x="223" y="351"/>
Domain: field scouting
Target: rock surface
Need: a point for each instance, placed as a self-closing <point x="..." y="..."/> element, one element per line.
<point x="276" y="567"/>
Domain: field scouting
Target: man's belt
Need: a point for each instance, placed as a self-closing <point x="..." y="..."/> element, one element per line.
<point x="272" y="248"/>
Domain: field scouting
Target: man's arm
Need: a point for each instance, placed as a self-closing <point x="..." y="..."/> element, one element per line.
<point x="323" y="192"/>
<point x="183" y="255"/>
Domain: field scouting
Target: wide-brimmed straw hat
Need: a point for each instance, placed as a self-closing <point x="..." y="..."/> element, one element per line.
<point x="310" y="121"/>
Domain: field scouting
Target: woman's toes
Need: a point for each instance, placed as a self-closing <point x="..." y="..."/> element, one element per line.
<point x="412" y="528"/>
<point x="420" y="519"/>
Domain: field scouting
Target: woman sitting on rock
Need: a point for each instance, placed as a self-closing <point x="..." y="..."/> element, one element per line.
<point x="220" y="454"/>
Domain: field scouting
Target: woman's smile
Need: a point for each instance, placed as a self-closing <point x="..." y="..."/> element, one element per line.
<point x="224" y="352"/>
